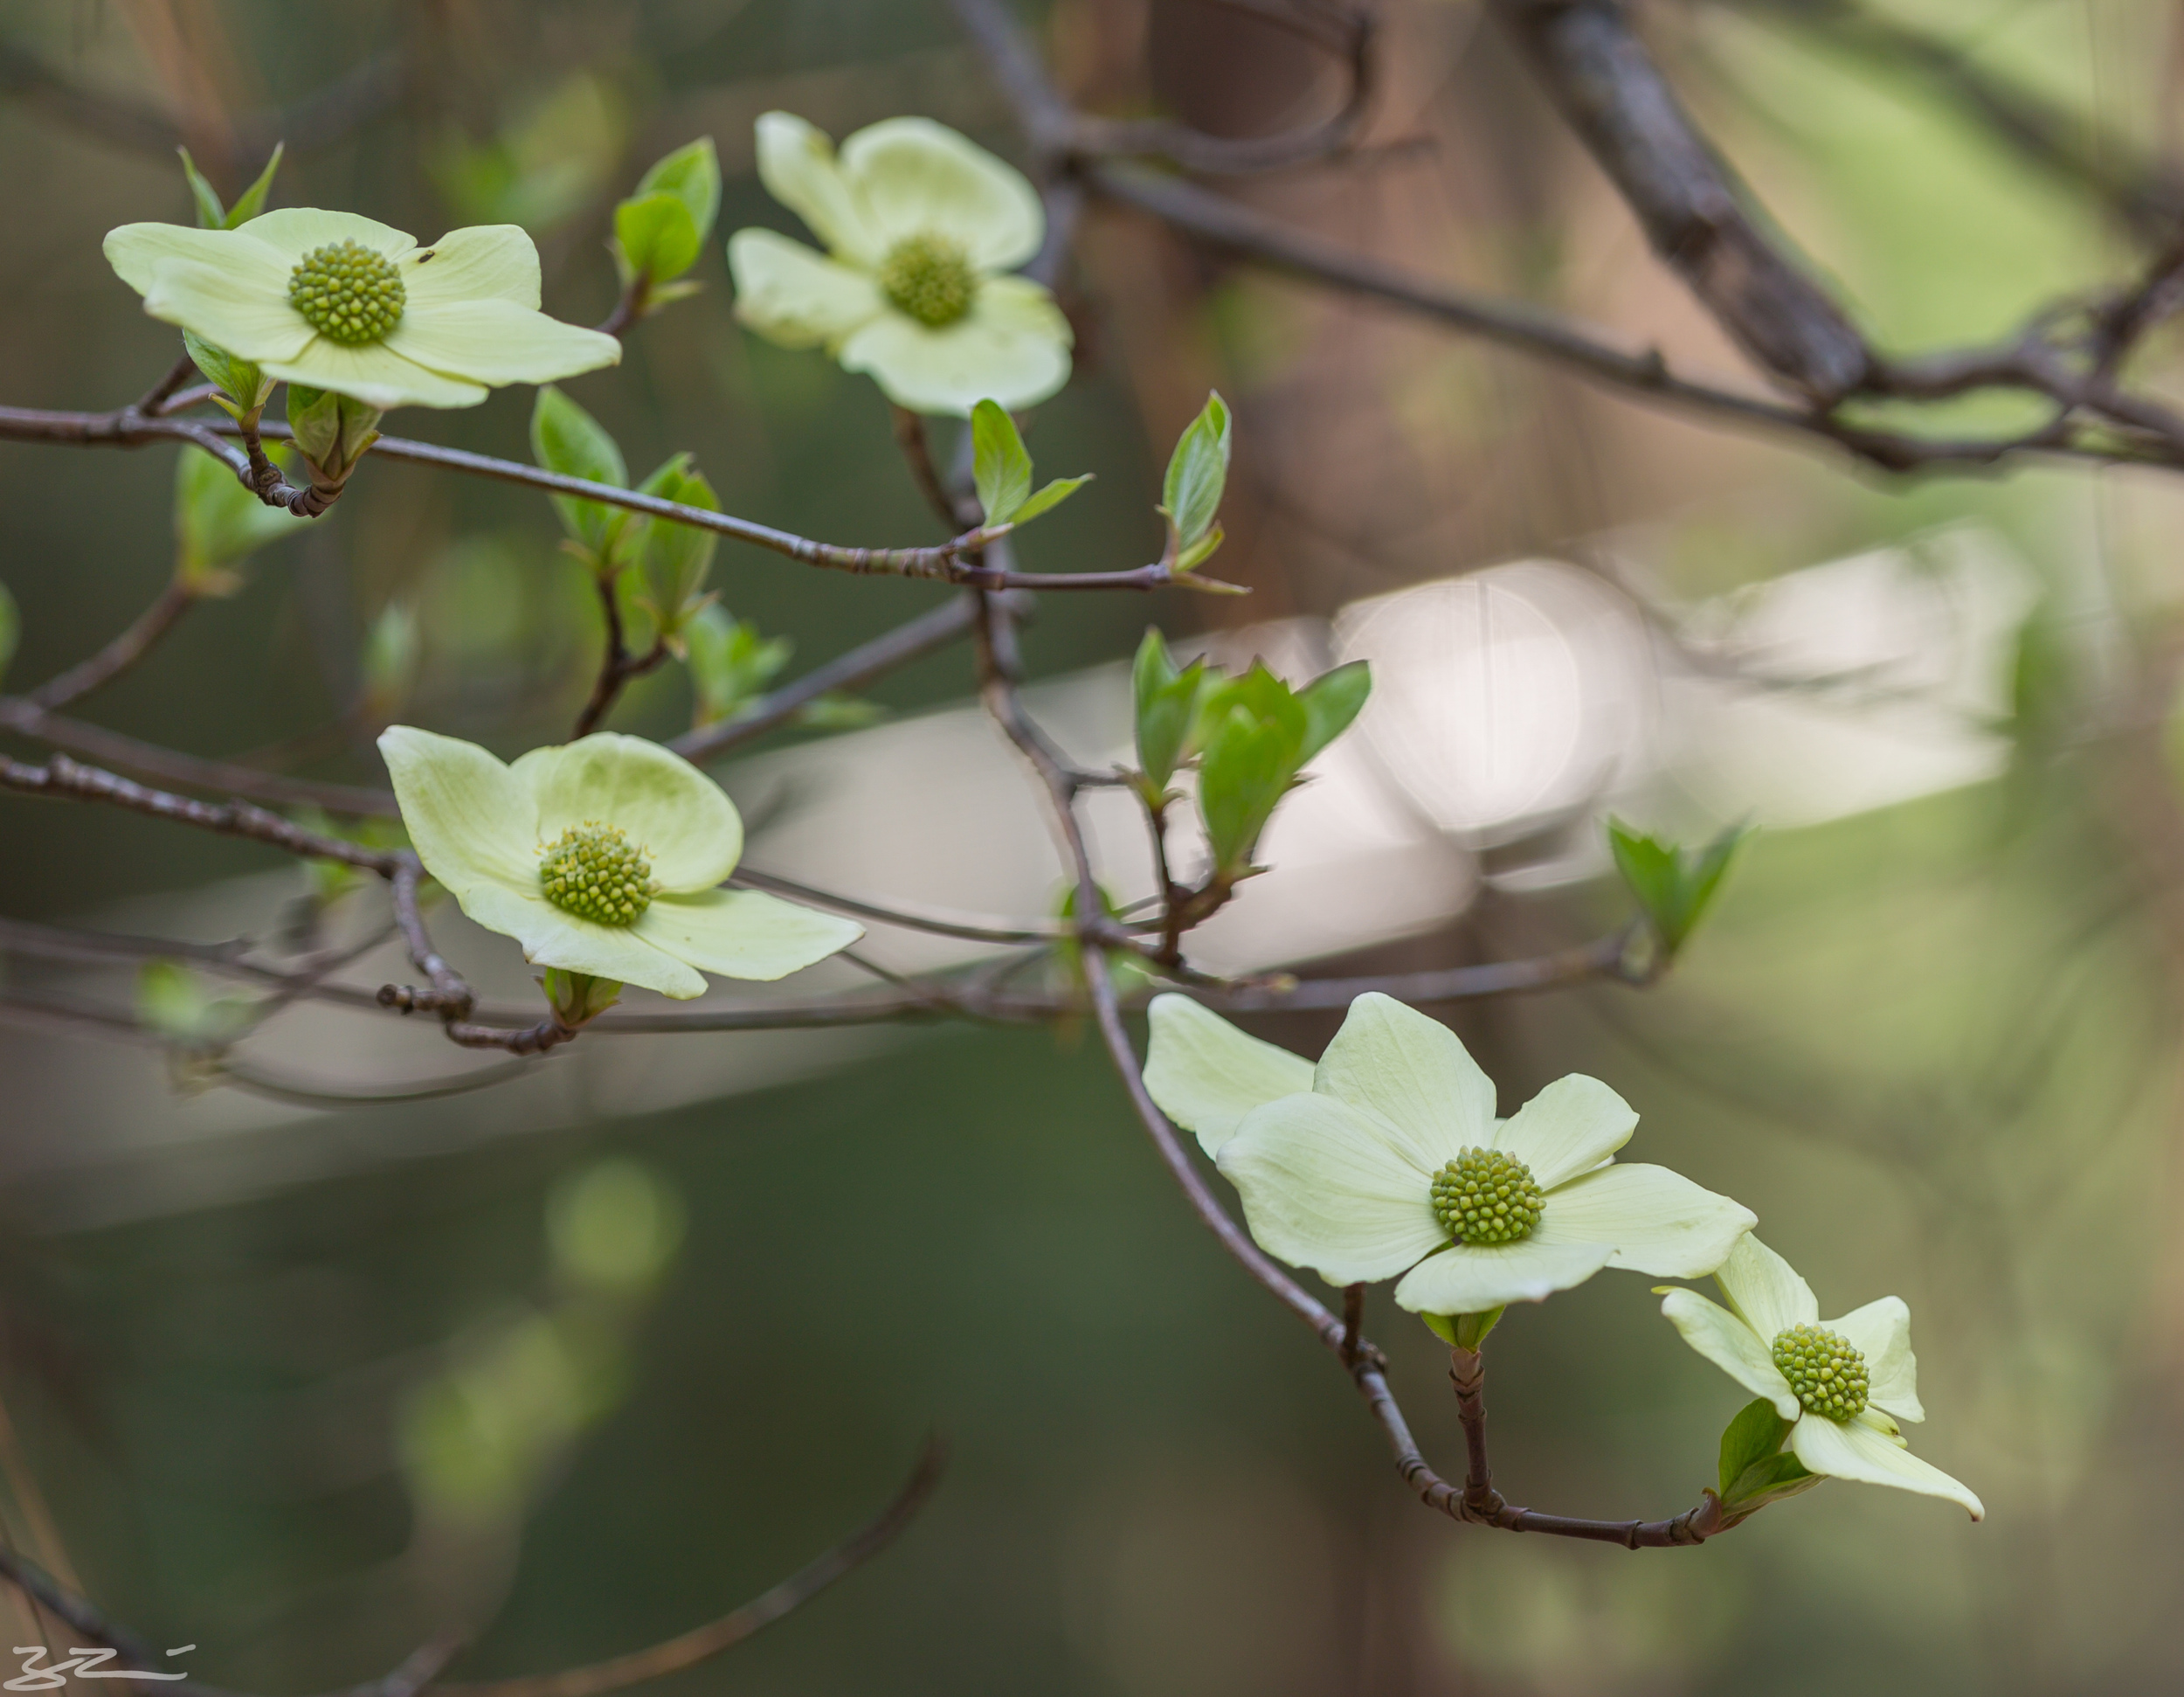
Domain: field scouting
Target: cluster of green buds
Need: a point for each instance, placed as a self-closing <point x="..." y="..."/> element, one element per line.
<point x="1250" y="737"/>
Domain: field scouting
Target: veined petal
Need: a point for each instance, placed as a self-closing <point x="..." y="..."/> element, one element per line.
<point x="795" y="297"/>
<point x="743" y="934"/>
<point x="373" y="373"/>
<point x="1765" y="1290"/>
<point x="1324" y="1186"/>
<point x="484" y="262"/>
<point x="796" y="163"/>
<point x="1206" y="1075"/>
<point x="1415" y="1073"/>
<point x="292" y="231"/>
<point x="920" y="178"/>
<point x="682" y="820"/>
<point x="1569" y="1127"/>
<point x="496" y="342"/>
<point x="136" y="250"/>
<point x="1469" y="1279"/>
<point x="553" y="938"/>
<point x="1001" y="351"/>
<point x="472" y="821"/>
<point x="1852" y="1450"/>
<point x="1881" y="1333"/>
<point x="1731" y="1346"/>
<point x="231" y="308"/>
<point x="1657" y="1222"/>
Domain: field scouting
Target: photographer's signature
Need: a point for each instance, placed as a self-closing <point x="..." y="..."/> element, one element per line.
<point x="84" y="1664"/>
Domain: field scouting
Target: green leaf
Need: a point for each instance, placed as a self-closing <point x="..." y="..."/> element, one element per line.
<point x="1049" y="497"/>
<point x="252" y="201"/>
<point x="10" y="630"/>
<point x="217" y="522"/>
<point x="999" y="466"/>
<point x="1674" y="888"/>
<point x="1753" y="1434"/>
<point x="332" y="430"/>
<point x="654" y="234"/>
<point x="692" y="174"/>
<point x="1769" y="1480"/>
<point x="1166" y="706"/>
<point x="244" y="387"/>
<point x="730" y="663"/>
<point x="1331" y="701"/>
<point x="210" y="214"/>
<point x="1201" y="550"/>
<point x="676" y="557"/>
<point x="1242" y="776"/>
<point x="173" y="1001"/>
<point x="1190" y="493"/>
<point x="566" y="439"/>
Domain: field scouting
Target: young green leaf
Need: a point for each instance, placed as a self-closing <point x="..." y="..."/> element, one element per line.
<point x="212" y="214"/>
<point x="654" y="233"/>
<point x="393" y="649"/>
<point x="1331" y="701"/>
<point x="676" y="557"/>
<point x="252" y="201"/>
<point x="1772" y="1478"/>
<point x="692" y="174"/>
<point x="999" y="466"/>
<point x="243" y="389"/>
<point x="1242" y="776"/>
<point x="218" y="523"/>
<point x="1755" y="1432"/>
<point x="730" y="663"/>
<point x="10" y="630"/>
<point x="1166" y="706"/>
<point x="1675" y="889"/>
<point x="1052" y="496"/>
<point x="1201" y="550"/>
<point x="566" y="437"/>
<point x="1196" y="471"/>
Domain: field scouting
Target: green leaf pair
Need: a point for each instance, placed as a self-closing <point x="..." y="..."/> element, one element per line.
<point x="332" y="430"/>
<point x="661" y="229"/>
<point x="1251" y="737"/>
<point x="1190" y="493"/>
<point x="218" y="523"/>
<point x="1002" y="470"/>
<point x="1674" y="886"/>
<point x="730" y="663"/>
<point x="244" y="390"/>
<point x="673" y="558"/>
<point x="248" y="205"/>
<point x="1755" y="1470"/>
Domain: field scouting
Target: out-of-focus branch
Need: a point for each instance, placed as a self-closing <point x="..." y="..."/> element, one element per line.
<point x="123" y="652"/>
<point x="1697" y="214"/>
<point x="732" y="1629"/>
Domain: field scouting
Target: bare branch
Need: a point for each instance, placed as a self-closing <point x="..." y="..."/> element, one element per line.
<point x="123" y="652"/>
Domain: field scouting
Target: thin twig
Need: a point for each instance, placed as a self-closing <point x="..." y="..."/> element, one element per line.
<point x="123" y="652"/>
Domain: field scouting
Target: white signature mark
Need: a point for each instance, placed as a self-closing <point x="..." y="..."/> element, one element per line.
<point x="84" y="1664"/>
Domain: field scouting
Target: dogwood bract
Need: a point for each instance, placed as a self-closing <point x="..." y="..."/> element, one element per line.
<point x="920" y="225"/>
<point x="342" y="303"/>
<point x="600" y="857"/>
<point x="1836" y="1380"/>
<point x="1386" y="1159"/>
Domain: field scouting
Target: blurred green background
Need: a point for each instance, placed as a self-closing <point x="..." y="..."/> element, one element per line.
<point x="595" y="1386"/>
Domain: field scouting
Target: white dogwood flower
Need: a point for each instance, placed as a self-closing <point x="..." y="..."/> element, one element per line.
<point x="1836" y="1380"/>
<point x="1386" y="1159"/>
<point x="921" y="227"/>
<point x="600" y="857"/>
<point x="342" y="303"/>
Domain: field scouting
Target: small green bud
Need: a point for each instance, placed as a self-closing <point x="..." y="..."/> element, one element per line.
<point x="1826" y="1372"/>
<point x="1486" y="1196"/>
<point x="579" y="997"/>
<point x="598" y="874"/>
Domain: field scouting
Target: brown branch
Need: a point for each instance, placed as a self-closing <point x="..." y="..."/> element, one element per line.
<point x="732" y="1629"/>
<point x="26" y="718"/>
<point x="123" y="652"/>
<point x="617" y="664"/>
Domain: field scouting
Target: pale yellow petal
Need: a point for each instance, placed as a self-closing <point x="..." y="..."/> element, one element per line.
<point x="553" y="938"/>
<point x="135" y="251"/>
<point x="374" y="374"/>
<point x="497" y="342"/>
<point x="1412" y="1071"/>
<point x="484" y="262"/>
<point x="1324" y="1186"/>
<point x="680" y="818"/>
<point x="1000" y="350"/>
<point x="1731" y="1346"/>
<point x="1850" y="1450"/>
<point x="796" y="163"/>
<point x="797" y="298"/>
<point x="230" y="309"/>
<point x="472" y="820"/>
<point x="920" y="178"/>
<point x="1881" y="1333"/>
<point x="1569" y="1127"/>
<point x="1469" y="1279"/>
<point x="743" y="934"/>
<point x="293" y="232"/>
<point x="1656" y="1222"/>
<point x="1765" y="1290"/>
<point x="1206" y="1075"/>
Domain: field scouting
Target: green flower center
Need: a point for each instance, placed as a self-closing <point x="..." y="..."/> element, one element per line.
<point x="1827" y="1373"/>
<point x="931" y="279"/>
<point x="597" y="873"/>
<point x="1484" y="1196"/>
<point x="348" y="292"/>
